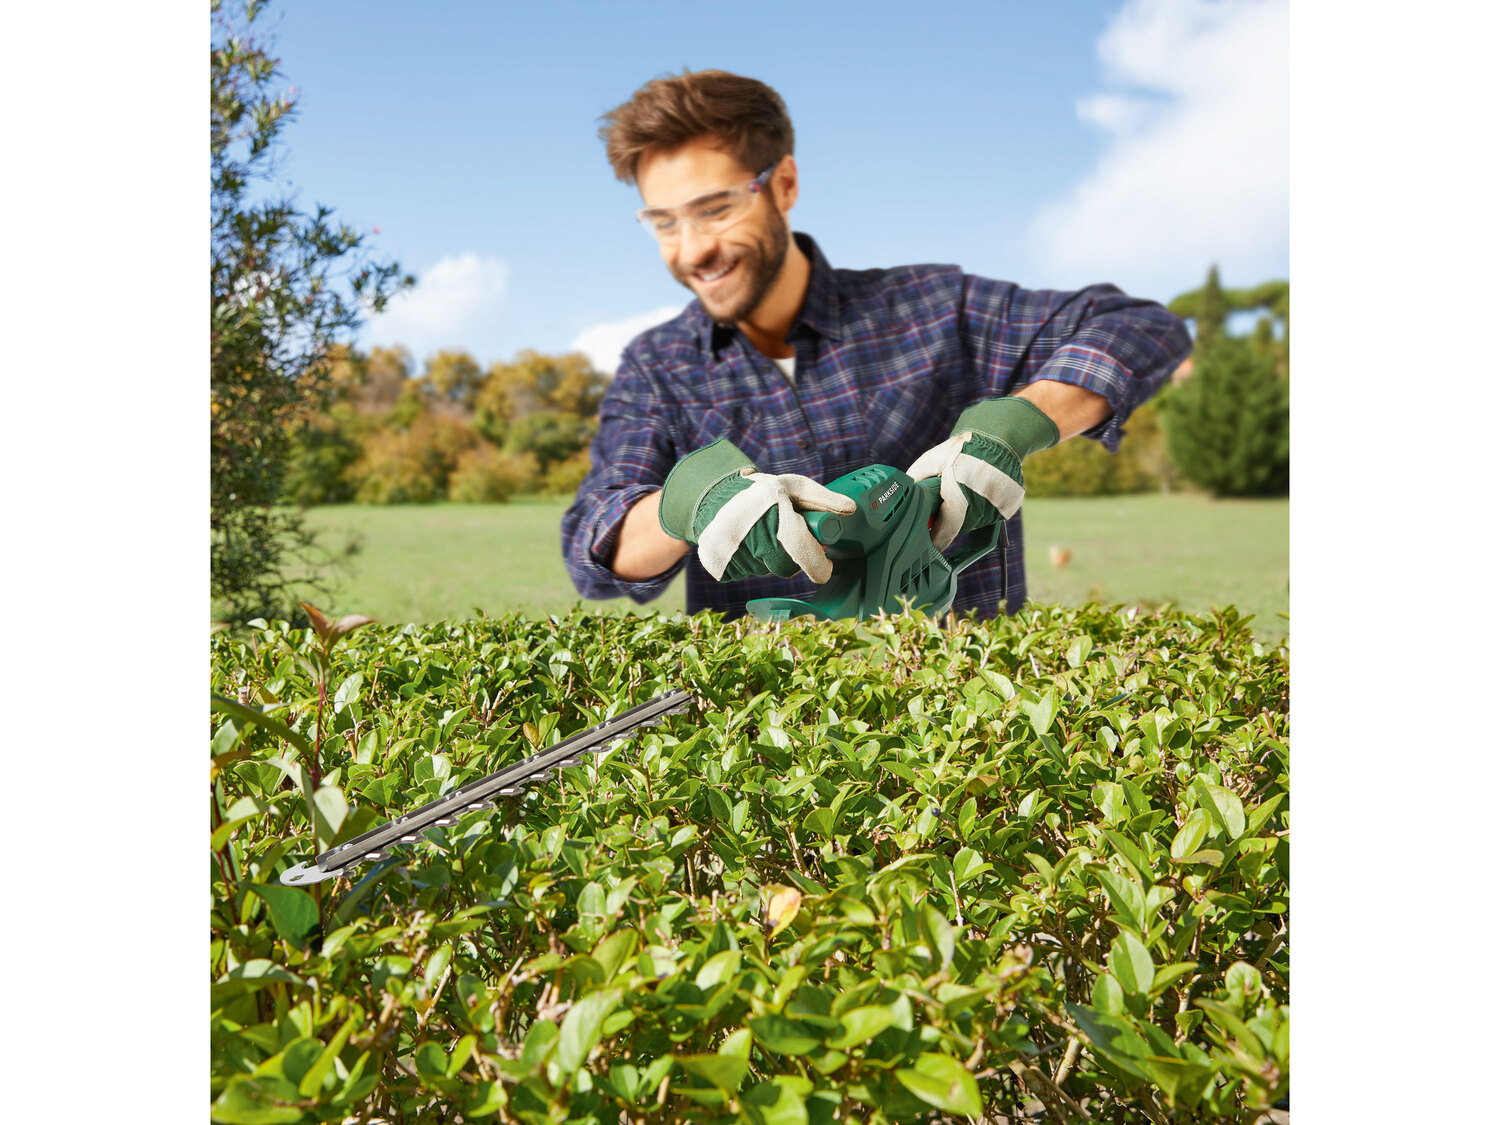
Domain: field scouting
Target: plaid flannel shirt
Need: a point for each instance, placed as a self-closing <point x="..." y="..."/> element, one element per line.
<point x="886" y="361"/>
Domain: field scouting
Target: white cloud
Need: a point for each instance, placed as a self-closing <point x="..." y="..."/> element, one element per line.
<point x="456" y="303"/>
<point x="1196" y="169"/>
<point x="603" y="343"/>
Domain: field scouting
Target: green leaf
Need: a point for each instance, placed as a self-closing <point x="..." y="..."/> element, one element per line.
<point x="298" y="1058"/>
<point x="581" y="1027"/>
<point x="784" y="1036"/>
<point x="294" y="912"/>
<point x="312" y="1081"/>
<point x="1079" y="651"/>
<point x="724" y="1071"/>
<point x="1168" y="975"/>
<point x="332" y="806"/>
<point x="435" y="965"/>
<point x="717" y="969"/>
<point x="614" y="950"/>
<point x="348" y="691"/>
<point x="1224" y="807"/>
<point x="943" y="1082"/>
<point x="1193" y="832"/>
<point x="819" y="821"/>
<point x="938" y="933"/>
<point x="774" y="1103"/>
<point x="1108" y="995"/>
<point x="432" y="1060"/>
<point x="1130" y="963"/>
<point x="261" y="719"/>
<point x="1125" y="894"/>
<point x="968" y="865"/>
<point x="1041" y="713"/>
<point x="863" y="1024"/>
<point x="257" y="1101"/>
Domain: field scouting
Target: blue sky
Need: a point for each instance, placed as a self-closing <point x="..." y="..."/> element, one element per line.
<point x="1053" y="145"/>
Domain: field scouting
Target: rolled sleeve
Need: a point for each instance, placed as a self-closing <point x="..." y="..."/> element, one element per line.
<point x="631" y="455"/>
<point x="1121" y="348"/>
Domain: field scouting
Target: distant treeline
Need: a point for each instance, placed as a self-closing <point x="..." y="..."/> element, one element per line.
<point x="457" y="431"/>
<point x="453" y="431"/>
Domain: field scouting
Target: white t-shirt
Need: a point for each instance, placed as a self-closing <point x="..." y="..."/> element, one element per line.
<point x="788" y="368"/>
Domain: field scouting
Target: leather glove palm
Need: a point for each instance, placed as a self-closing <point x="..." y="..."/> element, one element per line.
<point x="746" y="523"/>
<point x="980" y="464"/>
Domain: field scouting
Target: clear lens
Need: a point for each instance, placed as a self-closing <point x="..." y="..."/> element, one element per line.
<point x="709" y="214"/>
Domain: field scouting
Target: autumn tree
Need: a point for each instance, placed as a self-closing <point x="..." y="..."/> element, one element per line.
<point x="284" y="287"/>
<point x="452" y="379"/>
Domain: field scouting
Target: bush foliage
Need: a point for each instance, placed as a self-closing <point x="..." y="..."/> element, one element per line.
<point x="885" y="871"/>
<point x="1081" y="467"/>
<point x="1229" y="426"/>
<point x="284" y="287"/>
<point x="455" y="431"/>
<point x="485" y="475"/>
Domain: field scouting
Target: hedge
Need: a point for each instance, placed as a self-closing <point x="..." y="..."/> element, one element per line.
<point x="884" y="871"/>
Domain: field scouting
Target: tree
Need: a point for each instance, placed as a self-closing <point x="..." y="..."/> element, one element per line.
<point x="1228" y="426"/>
<point x="568" y="384"/>
<point x="1210" y="305"/>
<point x="552" y="435"/>
<point x="284" y="286"/>
<point x="452" y="380"/>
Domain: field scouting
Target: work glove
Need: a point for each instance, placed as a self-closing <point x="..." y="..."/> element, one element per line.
<point x="743" y="522"/>
<point x="980" y="465"/>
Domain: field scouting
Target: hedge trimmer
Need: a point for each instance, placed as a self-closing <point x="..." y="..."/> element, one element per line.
<point x="377" y="843"/>
<point x="883" y="556"/>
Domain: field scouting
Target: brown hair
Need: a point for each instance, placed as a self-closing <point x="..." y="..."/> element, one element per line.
<point x="745" y="117"/>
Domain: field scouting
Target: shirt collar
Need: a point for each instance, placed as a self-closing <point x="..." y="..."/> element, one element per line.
<point x="820" y="307"/>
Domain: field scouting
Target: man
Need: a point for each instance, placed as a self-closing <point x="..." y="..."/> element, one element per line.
<point x="785" y="372"/>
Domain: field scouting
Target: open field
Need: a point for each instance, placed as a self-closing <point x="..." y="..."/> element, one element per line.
<point x="424" y="563"/>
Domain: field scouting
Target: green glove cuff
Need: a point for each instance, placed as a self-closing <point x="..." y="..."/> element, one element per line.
<point x="1015" y="423"/>
<point x="692" y="487"/>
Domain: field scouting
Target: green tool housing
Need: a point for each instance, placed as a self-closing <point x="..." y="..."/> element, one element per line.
<point x="883" y="556"/>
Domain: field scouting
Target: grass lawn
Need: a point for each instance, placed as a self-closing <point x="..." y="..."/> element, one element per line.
<point x="424" y="563"/>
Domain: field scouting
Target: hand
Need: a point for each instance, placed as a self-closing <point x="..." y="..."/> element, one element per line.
<point x="980" y="465"/>
<point x="746" y="523"/>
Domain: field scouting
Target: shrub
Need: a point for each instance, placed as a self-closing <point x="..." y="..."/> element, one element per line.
<point x="887" y="871"/>
<point x="411" y="466"/>
<point x="485" y="475"/>
<point x="551" y="435"/>
<point x="286" y="287"/>
<point x="1229" y="423"/>
<point x="1083" y="467"/>
<point x="318" y="469"/>
<point x="563" y="478"/>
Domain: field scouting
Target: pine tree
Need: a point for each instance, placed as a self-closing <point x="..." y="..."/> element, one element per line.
<point x="1229" y="425"/>
<point x="1213" y="310"/>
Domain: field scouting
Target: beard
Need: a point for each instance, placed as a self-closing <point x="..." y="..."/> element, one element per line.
<point x="760" y="265"/>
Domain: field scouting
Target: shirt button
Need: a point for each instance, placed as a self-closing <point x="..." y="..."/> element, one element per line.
<point x="803" y="443"/>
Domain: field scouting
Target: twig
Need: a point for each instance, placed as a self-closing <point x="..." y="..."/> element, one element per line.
<point x="791" y="839"/>
<point x="1069" y="1058"/>
<point x="1058" y="1104"/>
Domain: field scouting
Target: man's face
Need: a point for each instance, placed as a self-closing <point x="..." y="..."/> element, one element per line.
<point x="730" y="272"/>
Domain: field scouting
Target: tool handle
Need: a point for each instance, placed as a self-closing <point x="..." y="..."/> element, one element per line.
<point x="982" y="540"/>
<point x="825" y="526"/>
